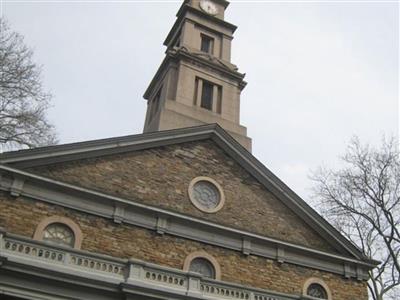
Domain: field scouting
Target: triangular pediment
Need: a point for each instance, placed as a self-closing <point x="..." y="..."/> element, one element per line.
<point x="155" y="169"/>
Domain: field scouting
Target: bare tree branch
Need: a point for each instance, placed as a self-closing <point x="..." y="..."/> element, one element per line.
<point x="362" y="201"/>
<point x="23" y="102"/>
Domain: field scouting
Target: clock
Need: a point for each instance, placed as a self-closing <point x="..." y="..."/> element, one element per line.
<point x="209" y="7"/>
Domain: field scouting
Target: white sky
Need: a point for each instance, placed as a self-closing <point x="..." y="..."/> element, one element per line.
<point x="318" y="72"/>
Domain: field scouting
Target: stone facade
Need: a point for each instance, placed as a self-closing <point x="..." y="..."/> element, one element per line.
<point x="131" y="217"/>
<point x="22" y="216"/>
<point x="161" y="176"/>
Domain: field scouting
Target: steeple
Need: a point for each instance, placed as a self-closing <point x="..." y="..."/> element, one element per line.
<point x="196" y="83"/>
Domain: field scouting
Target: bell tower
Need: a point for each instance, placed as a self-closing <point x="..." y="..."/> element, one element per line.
<point x="196" y="83"/>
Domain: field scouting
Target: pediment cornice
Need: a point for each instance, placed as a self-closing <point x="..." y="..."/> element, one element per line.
<point x="14" y="162"/>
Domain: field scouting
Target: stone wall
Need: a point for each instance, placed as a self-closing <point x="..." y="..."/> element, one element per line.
<point x="21" y="216"/>
<point x="161" y="176"/>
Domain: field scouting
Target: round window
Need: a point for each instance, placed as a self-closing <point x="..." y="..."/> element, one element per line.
<point x="206" y="194"/>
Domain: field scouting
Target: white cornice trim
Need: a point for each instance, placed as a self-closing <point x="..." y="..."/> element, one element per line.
<point x="82" y="148"/>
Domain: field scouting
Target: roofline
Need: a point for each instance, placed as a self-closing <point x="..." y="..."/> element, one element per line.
<point x="281" y="190"/>
<point x="106" y="143"/>
<point x="52" y="154"/>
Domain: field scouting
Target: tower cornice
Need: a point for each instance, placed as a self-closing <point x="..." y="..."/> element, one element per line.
<point x="181" y="15"/>
<point x="182" y="53"/>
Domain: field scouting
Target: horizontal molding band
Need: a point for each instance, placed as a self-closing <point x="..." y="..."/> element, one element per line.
<point x="176" y="224"/>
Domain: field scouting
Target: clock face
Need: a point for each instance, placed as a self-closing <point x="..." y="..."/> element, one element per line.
<point x="209" y="7"/>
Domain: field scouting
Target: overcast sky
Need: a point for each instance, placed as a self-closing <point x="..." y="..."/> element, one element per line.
<point x="318" y="72"/>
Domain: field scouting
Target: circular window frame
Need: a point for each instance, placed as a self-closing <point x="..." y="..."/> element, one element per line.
<point x="204" y="255"/>
<point x="197" y="204"/>
<point x="40" y="229"/>
<point x="319" y="281"/>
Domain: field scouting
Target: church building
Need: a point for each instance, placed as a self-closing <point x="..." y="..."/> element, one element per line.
<point x="182" y="211"/>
